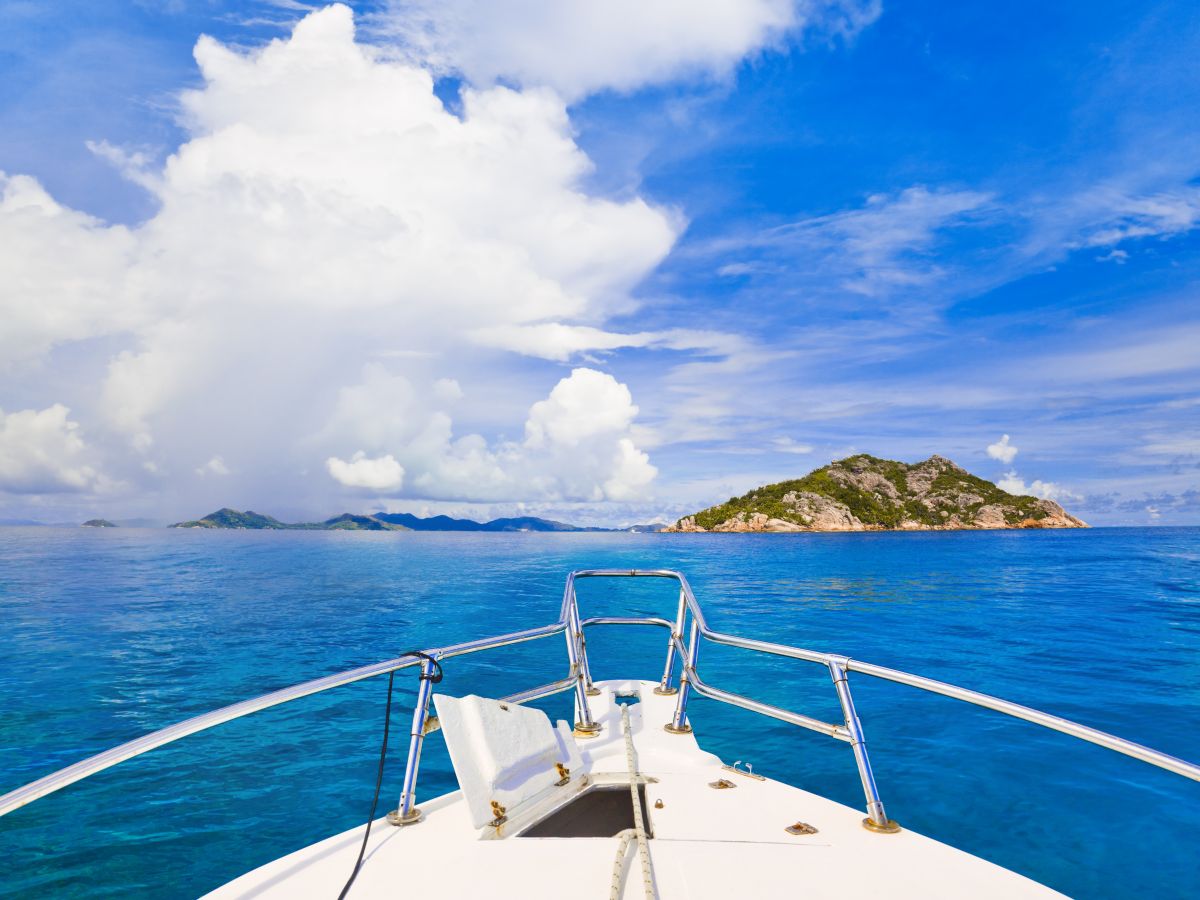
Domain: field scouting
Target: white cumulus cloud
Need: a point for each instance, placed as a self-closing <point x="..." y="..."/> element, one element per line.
<point x="631" y="473"/>
<point x="1047" y="490"/>
<point x="581" y="432"/>
<point x="579" y="46"/>
<point x="578" y="445"/>
<point x="338" y="264"/>
<point x="581" y="407"/>
<point x="42" y="451"/>
<point x="382" y="474"/>
<point x="215" y="466"/>
<point x="1002" y="450"/>
<point x="66" y="274"/>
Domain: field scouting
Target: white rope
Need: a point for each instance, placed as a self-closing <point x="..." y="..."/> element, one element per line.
<point x="638" y="832"/>
<point x="619" y="862"/>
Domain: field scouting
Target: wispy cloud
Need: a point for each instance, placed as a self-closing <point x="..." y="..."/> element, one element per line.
<point x="1156" y="505"/>
<point x="789" y="445"/>
<point x="1179" y="445"/>
<point x="885" y="245"/>
<point x="1124" y="218"/>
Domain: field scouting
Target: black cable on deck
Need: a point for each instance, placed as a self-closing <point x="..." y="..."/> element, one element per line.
<point x="387" y="721"/>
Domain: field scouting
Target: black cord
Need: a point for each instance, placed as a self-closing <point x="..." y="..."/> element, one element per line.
<point x="387" y="721"/>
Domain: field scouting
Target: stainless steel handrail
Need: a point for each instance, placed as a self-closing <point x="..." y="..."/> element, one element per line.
<point x="570" y="624"/>
<point x="64" y="777"/>
<point x="839" y="668"/>
<point x="1017" y="711"/>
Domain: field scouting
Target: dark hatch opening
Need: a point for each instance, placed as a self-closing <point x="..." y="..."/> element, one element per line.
<point x="601" y="812"/>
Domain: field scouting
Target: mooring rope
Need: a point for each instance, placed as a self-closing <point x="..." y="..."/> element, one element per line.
<point x="638" y="832"/>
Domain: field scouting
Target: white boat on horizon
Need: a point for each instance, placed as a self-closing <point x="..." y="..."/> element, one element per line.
<point x="622" y="802"/>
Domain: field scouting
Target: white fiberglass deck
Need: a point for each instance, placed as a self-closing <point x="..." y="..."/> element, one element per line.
<point x="706" y="842"/>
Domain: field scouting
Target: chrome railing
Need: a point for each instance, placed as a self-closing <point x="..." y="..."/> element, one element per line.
<point x="689" y="618"/>
<point x="839" y="667"/>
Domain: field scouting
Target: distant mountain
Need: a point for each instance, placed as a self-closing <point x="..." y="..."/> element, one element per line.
<point x="865" y="493"/>
<point x="532" y="523"/>
<point x="232" y="518"/>
<point x="445" y="523"/>
<point x="433" y="523"/>
<point x="651" y="528"/>
<point x="235" y="519"/>
<point x="348" y="522"/>
<point x="98" y="523"/>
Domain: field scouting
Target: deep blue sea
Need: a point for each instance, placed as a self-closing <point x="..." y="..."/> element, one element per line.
<point x="108" y="634"/>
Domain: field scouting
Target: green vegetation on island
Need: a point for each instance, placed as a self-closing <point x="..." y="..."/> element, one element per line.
<point x="865" y="493"/>
<point x="99" y="523"/>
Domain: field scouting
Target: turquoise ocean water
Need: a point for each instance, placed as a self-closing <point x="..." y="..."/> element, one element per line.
<point x="109" y="634"/>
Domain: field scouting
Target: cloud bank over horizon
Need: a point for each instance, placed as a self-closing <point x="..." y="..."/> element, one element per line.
<point x="333" y="253"/>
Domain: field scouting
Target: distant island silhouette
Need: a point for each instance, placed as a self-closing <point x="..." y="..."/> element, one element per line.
<point x="236" y="519"/>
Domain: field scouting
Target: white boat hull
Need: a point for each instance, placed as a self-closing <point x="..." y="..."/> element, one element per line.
<point x="707" y="843"/>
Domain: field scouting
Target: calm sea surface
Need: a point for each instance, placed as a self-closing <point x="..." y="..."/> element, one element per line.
<point x="108" y="634"/>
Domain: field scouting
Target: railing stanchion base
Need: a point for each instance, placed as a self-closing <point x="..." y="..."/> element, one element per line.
<point x="892" y="827"/>
<point x="412" y="817"/>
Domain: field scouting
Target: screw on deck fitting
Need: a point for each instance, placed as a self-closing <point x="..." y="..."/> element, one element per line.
<point x="801" y="828"/>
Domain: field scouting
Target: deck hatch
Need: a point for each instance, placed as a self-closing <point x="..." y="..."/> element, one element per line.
<point x="505" y="756"/>
<point x="600" y="812"/>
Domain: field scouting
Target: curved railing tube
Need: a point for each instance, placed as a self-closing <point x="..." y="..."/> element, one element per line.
<point x="62" y="778"/>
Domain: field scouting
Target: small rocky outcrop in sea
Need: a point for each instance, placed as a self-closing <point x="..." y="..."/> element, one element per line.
<point x="865" y="493"/>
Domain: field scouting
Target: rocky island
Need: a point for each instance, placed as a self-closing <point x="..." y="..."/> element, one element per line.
<point x="865" y="493"/>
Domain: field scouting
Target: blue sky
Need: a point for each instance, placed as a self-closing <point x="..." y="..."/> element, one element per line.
<point x="716" y="248"/>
